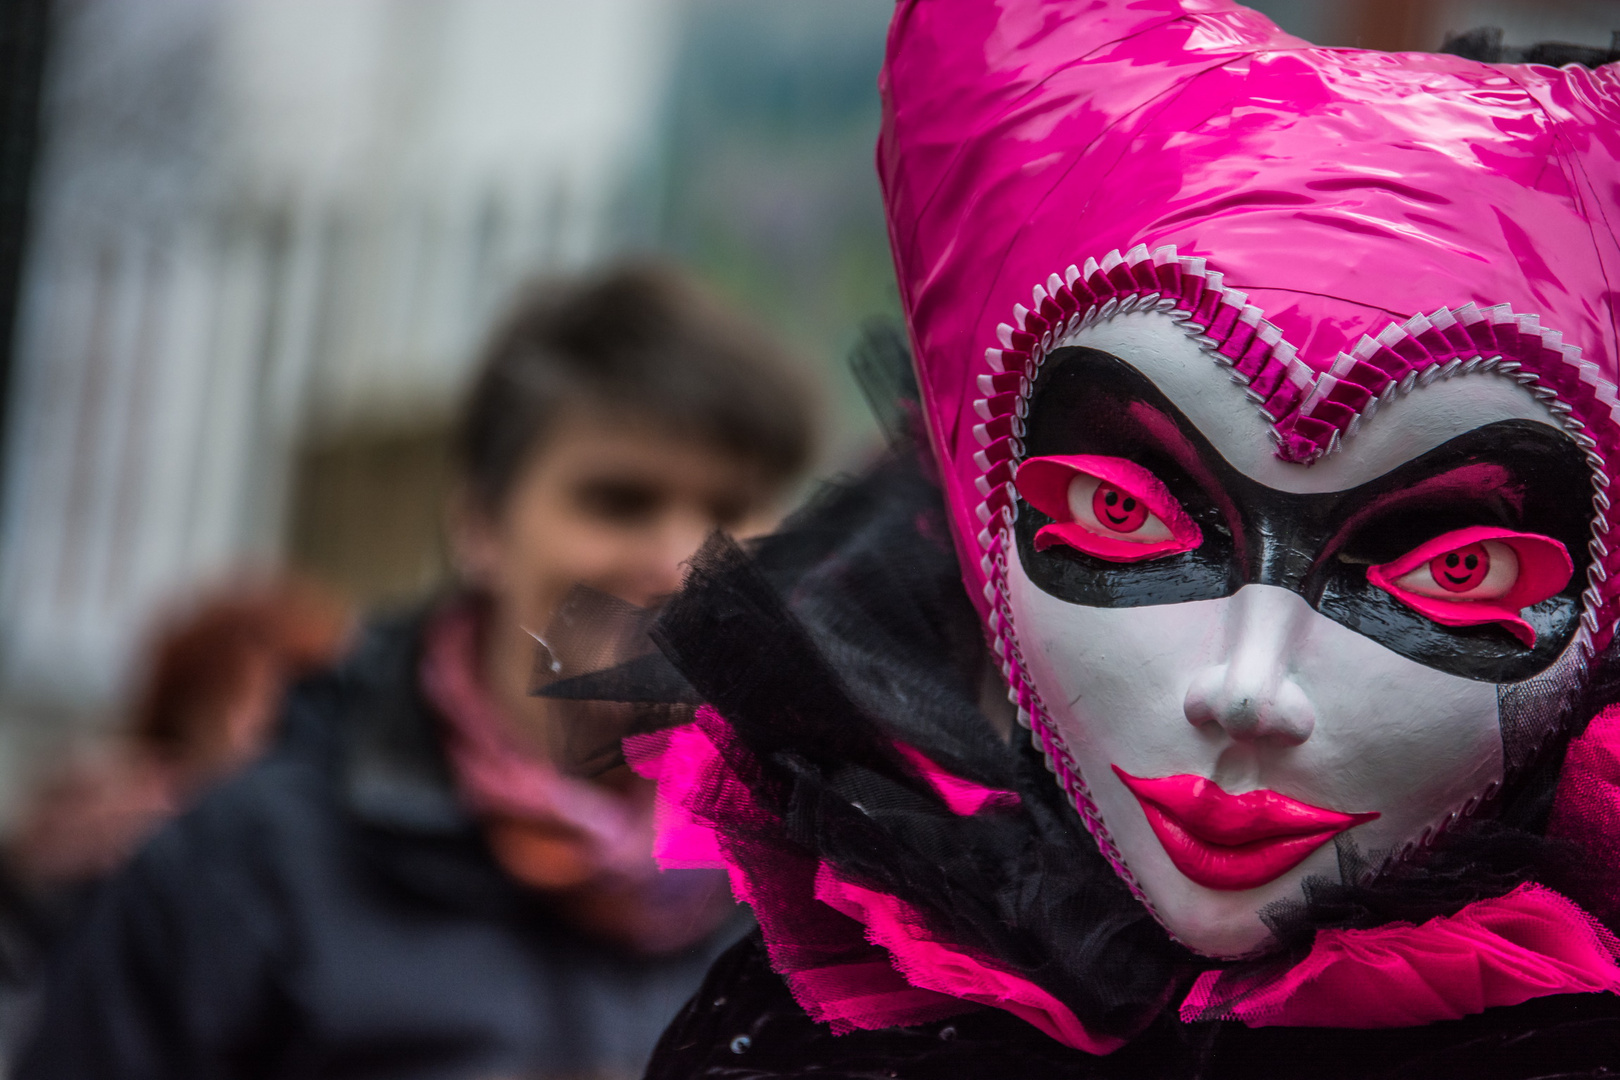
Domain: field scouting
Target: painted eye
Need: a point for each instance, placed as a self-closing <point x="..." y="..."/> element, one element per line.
<point x="1478" y="576"/>
<point x="1106" y="507"/>
<point x="1484" y="570"/>
<point x="1111" y="510"/>
<point x="1465" y="570"/>
<point x="1107" y="501"/>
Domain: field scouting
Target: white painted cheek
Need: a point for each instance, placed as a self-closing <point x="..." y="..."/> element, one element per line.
<point x="1110" y="676"/>
<point x="1410" y="742"/>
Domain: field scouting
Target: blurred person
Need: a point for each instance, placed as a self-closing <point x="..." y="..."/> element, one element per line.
<point x="406" y="885"/>
<point x="211" y="686"/>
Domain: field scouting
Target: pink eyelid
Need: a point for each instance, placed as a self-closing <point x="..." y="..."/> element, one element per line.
<point x="1544" y="569"/>
<point x="1044" y="484"/>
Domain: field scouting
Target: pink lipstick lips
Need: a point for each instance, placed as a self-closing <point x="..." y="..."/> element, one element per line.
<point x="1233" y="842"/>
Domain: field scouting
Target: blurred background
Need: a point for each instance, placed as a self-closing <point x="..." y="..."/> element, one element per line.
<point x="248" y="249"/>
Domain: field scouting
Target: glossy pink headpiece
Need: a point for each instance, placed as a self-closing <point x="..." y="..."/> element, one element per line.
<point x="1339" y="225"/>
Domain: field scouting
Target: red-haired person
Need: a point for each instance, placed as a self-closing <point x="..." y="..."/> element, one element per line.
<point x="212" y="685"/>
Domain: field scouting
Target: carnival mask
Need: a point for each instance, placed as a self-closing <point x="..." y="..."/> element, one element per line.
<point x="1259" y="667"/>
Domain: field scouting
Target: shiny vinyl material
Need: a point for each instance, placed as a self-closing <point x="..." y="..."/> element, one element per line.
<point x="1340" y="225"/>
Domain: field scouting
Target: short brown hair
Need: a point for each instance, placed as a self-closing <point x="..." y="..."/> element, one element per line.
<point x="643" y="338"/>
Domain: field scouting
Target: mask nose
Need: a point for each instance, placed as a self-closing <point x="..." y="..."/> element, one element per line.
<point x="1250" y="692"/>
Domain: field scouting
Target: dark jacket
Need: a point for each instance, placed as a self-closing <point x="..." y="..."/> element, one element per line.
<point x="333" y="912"/>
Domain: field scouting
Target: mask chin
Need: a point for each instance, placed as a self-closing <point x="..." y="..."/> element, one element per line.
<point x="1265" y="697"/>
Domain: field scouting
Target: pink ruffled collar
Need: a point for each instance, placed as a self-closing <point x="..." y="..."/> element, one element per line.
<point x="1531" y="943"/>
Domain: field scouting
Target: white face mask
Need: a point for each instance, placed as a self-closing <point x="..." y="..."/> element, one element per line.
<point x="1325" y="710"/>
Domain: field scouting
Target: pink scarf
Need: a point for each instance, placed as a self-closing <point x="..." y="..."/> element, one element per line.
<point x="586" y="845"/>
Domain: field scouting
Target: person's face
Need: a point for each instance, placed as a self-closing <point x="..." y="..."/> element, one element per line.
<point x="606" y="502"/>
<point x="1259" y="667"/>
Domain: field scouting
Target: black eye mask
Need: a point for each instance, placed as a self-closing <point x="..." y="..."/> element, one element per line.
<point x="1514" y="474"/>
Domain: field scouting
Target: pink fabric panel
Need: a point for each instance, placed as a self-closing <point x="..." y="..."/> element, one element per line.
<point x="834" y="973"/>
<point x="962" y="796"/>
<point x="891" y="924"/>
<point x="863" y="992"/>
<point x="1530" y="943"/>
<point x="677" y="760"/>
<point x="1586" y="809"/>
<point x="869" y="996"/>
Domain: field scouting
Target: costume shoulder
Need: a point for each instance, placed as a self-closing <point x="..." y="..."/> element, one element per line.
<point x="744" y="1022"/>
